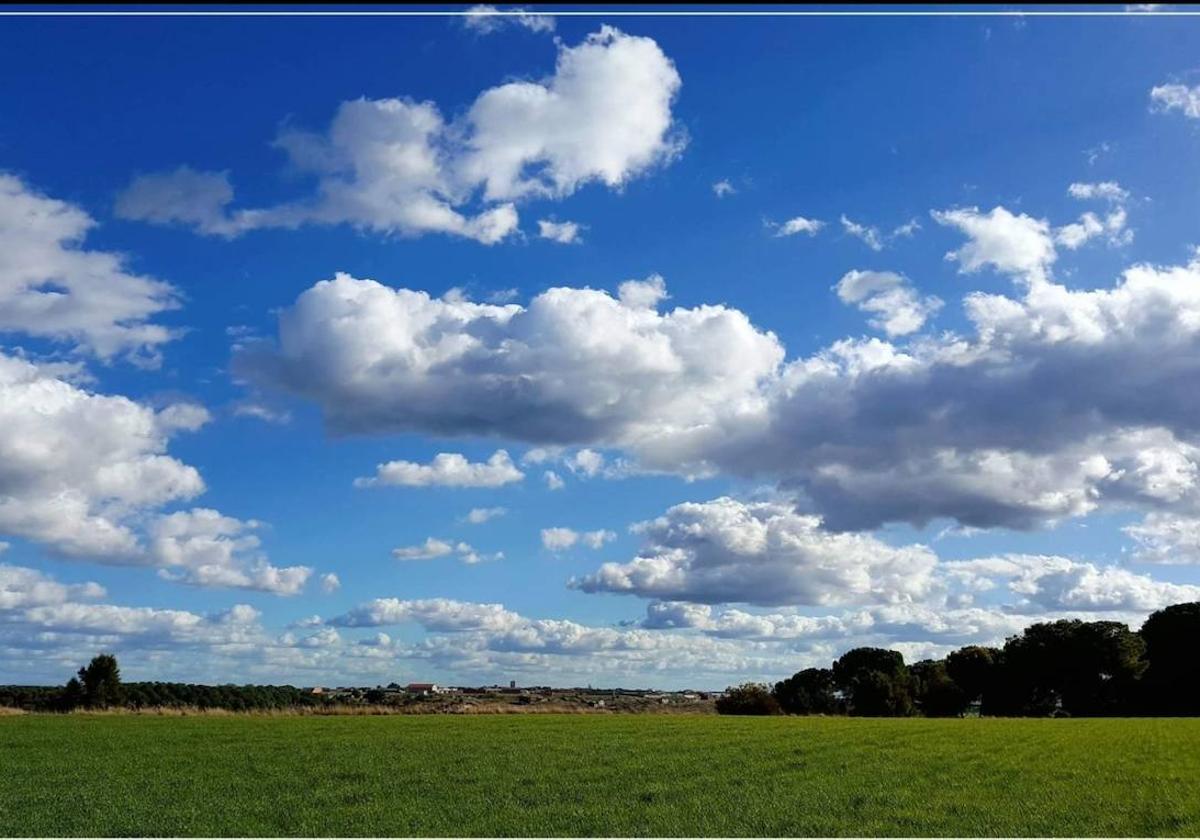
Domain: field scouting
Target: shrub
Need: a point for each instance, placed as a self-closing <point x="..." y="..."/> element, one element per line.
<point x="748" y="699"/>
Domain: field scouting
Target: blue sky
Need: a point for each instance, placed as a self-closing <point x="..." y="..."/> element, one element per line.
<point x="908" y="357"/>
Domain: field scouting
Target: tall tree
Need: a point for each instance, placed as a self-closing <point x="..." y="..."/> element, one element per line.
<point x="809" y="692"/>
<point x="934" y="692"/>
<point x="973" y="669"/>
<point x="1171" y="685"/>
<point x="1072" y="666"/>
<point x="874" y="681"/>
<point x="101" y="681"/>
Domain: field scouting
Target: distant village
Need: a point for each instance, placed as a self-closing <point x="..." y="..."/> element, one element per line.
<point x="460" y="698"/>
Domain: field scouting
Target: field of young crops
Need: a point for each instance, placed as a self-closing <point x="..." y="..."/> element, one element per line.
<point x="595" y="775"/>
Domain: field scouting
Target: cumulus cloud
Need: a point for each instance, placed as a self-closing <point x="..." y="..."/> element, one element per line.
<point x="22" y="587"/>
<point x="1168" y="538"/>
<point x="52" y="287"/>
<point x="576" y="365"/>
<point x="486" y="19"/>
<point x="1090" y="225"/>
<point x="182" y="196"/>
<point x="447" y="469"/>
<point x="438" y="614"/>
<point x="564" y="233"/>
<point x="799" y="224"/>
<point x="561" y="539"/>
<point x="477" y="516"/>
<point x="1053" y="583"/>
<point x="433" y="548"/>
<point x="396" y="166"/>
<point x="83" y="474"/>
<point x="1176" y="97"/>
<point x="727" y="551"/>
<point x="1010" y="243"/>
<point x="553" y="480"/>
<point x="205" y="548"/>
<point x="1056" y="401"/>
<point x="723" y="188"/>
<point x="1107" y="190"/>
<point x="75" y="465"/>
<point x="586" y="462"/>
<point x="896" y="307"/>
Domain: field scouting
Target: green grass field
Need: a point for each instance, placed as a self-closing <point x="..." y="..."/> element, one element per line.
<point x="595" y="775"/>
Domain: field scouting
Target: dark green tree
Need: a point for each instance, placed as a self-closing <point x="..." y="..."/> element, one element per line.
<point x="809" y="692"/>
<point x="72" y="696"/>
<point x="101" y="681"/>
<point x="934" y="692"/>
<point x="974" y="669"/>
<point x="874" y="681"/>
<point x="1071" y="667"/>
<point x="1171" y="684"/>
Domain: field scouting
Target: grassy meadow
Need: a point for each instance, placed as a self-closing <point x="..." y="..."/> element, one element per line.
<point x="595" y="775"/>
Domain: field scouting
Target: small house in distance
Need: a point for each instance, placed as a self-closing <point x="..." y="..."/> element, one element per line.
<point x="424" y="689"/>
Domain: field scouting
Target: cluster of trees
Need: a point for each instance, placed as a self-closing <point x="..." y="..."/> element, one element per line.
<point x="99" y="686"/>
<point x="1069" y="667"/>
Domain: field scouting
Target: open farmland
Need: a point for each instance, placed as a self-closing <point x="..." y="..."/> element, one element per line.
<point x="595" y="775"/>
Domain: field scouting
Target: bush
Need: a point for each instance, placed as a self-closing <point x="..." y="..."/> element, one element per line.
<point x="748" y="699"/>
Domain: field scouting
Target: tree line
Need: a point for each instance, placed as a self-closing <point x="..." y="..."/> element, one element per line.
<point x="1069" y="667"/>
<point x="99" y="686"/>
<point x="1060" y="668"/>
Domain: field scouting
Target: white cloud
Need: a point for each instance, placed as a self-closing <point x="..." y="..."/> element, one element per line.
<point x="723" y="188"/>
<point x="488" y="19"/>
<point x="477" y="516"/>
<point x="447" y="469"/>
<point x="438" y="614"/>
<point x="1054" y="403"/>
<point x="21" y="587"/>
<point x="1107" y="190"/>
<point x="430" y="549"/>
<point x="565" y="233"/>
<point x="576" y="365"/>
<point x="869" y="235"/>
<point x="561" y="539"/>
<point x="205" y="548"/>
<point x="597" y="539"/>
<point x="396" y="166"/>
<point x="726" y="551"/>
<point x="553" y="481"/>
<point x="75" y="466"/>
<point x="605" y="115"/>
<point x="52" y="287"/>
<point x="265" y="413"/>
<point x="873" y="238"/>
<point x="895" y="305"/>
<point x="799" y="224"/>
<point x="1075" y="234"/>
<point x="1052" y="583"/>
<point x="84" y="473"/>
<point x="433" y="548"/>
<point x="586" y="462"/>
<point x="1089" y="226"/>
<point x="330" y="583"/>
<point x="1168" y="538"/>
<point x="1167" y="98"/>
<point x="1012" y="244"/>
<point x="182" y="196"/>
